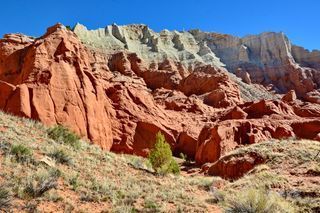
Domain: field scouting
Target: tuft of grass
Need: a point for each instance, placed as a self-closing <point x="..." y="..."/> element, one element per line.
<point x="38" y="184"/>
<point x="63" y="135"/>
<point x="151" y="206"/>
<point x="139" y="163"/>
<point x="74" y="182"/>
<point x="161" y="158"/>
<point x="61" y="156"/>
<point x="257" y="200"/>
<point x="54" y="196"/>
<point x="5" y="198"/>
<point x="21" y="152"/>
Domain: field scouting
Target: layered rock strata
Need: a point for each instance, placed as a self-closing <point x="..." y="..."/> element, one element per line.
<point x="121" y="85"/>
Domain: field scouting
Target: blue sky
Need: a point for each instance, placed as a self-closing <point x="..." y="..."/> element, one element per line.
<point x="299" y="19"/>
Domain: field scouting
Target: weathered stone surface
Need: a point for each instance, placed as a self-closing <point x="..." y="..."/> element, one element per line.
<point x="290" y="96"/>
<point x="268" y="58"/>
<point x="186" y="145"/>
<point x="245" y="76"/>
<point x="127" y="83"/>
<point x="253" y="123"/>
<point x="6" y="91"/>
<point x="234" y="167"/>
<point x="54" y="85"/>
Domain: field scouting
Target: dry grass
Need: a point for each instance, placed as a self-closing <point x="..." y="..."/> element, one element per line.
<point x="95" y="181"/>
<point x="291" y="171"/>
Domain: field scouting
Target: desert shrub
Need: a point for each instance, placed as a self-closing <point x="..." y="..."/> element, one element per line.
<point x="140" y="163"/>
<point x="21" y="153"/>
<point x="151" y="206"/>
<point x="5" y="146"/>
<point x="63" y="135"/>
<point x="38" y="184"/>
<point x="217" y="196"/>
<point x="5" y="198"/>
<point x="60" y="156"/>
<point x="54" y="196"/>
<point x="161" y="158"/>
<point x="74" y="182"/>
<point x="258" y="201"/>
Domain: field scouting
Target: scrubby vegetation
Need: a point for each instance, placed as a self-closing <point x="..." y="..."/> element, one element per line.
<point x="39" y="183"/>
<point x="21" y="152"/>
<point x="73" y="176"/>
<point x="5" y="198"/>
<point x="161" y="158"/>
<point x="69" y="28"/>
<point x="289" y="177"/>
<point x="60" y="156"/>
<point x="259" y="201"/>
<point x="54" y="169"/>
<point x="62" y="134"/>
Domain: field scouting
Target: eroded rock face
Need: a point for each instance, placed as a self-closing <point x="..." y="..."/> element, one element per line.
<point x="50" y="79"/>
<point x="234" y="167"/>
<point x="121" y="85"/>
<point x="251" y="123"/>
<point x="115" y="99"/>
<point x="268" y="59"/>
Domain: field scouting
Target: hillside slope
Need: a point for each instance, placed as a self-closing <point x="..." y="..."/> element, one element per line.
<point x="41" y="174"/>
<point x="57" y="177"/>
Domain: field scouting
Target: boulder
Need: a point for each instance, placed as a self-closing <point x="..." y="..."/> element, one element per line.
<point x="290" y="96"/>
<point x="233" y="167"/>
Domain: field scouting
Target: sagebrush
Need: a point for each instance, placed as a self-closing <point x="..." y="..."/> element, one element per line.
<point x="63" y="135"/>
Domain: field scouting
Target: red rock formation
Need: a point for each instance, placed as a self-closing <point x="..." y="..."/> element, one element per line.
<point x="290" y="96"/>
<point x="106" y="96"/>
<point x="120" y="102"/>
<point x="233" y="167"/>
<point x="51" y="82"/>
<point x="255" y="122"/>
<point x="245" y="76"/>
<point x="186" y="145"/>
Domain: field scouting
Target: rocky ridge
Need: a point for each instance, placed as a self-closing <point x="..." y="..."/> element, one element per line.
<point x="119" y="86"/>
<point x="268" y="59"/>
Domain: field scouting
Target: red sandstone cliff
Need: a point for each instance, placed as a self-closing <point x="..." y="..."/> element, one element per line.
<point x="119" y="101"/>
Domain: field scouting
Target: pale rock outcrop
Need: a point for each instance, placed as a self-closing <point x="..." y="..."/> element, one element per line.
<point x="306" y="58"/>
<point x="268" y="58"/>
<point x="149" y="45"/>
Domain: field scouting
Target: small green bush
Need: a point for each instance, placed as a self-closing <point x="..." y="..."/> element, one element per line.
<point x="5" y="198"/>
<point x="63" y="135"/>
<point x="21" y="152"/>
<point x="161" y="158"/>
<point x="259" y="201"/>
<point x="60" y="156"/>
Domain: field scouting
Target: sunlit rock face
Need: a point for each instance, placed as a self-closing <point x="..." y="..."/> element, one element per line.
<point x="121" y="85"/>
<point x="268" y="58"/>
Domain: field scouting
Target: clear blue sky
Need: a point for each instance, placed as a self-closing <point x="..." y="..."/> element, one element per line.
<point x="299" y="19"/>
